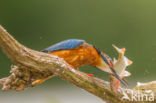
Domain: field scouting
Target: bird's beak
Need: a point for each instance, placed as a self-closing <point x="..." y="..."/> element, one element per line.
<point x="118" y="77"/>
<point x="114" y="72"/>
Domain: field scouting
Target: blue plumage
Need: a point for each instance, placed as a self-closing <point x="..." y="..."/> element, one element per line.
<point x="105" y="59"/>
<point x="67" y="44"/>
<point x="102" y="56"/>
<point x="73" y="43"/>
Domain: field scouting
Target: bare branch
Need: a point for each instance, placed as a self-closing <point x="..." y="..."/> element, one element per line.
<point x="33" y="65"/>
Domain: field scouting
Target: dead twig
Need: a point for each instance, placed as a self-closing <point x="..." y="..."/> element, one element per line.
<point x="32" y="65"/>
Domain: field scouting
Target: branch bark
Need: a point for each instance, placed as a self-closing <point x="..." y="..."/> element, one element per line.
<point x="32" y="65"/>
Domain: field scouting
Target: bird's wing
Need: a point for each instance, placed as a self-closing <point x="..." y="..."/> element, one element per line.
<point x="67" y="44"/>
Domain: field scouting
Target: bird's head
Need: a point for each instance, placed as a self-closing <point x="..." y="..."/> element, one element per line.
<point x="105" y="63"/>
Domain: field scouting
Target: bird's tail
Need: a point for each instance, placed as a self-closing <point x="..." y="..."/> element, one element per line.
<point x="39" y="81"/>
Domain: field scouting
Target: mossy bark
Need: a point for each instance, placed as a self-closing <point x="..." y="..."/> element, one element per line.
<point x="32" y="65"/>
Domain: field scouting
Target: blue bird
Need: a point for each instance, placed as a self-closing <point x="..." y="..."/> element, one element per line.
<point x="78" y="53"/>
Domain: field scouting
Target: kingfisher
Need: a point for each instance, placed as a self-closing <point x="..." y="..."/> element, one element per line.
<point x="78" y="53"/>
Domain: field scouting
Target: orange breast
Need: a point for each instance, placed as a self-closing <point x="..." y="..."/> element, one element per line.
<point x="80" y="56"/>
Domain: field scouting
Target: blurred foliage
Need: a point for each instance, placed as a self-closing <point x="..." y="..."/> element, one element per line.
<point x="125" y="23"/>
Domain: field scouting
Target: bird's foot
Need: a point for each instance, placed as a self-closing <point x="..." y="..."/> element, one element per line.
<point x="117" y="85"/>
<point x="114" y="83"/>
<point x="90" y="75"/>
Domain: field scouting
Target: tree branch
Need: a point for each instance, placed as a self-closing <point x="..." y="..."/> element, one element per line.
<point x="32" y="65"/>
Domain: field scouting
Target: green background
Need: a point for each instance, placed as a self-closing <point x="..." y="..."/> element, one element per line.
<point x="125" y="23"/>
